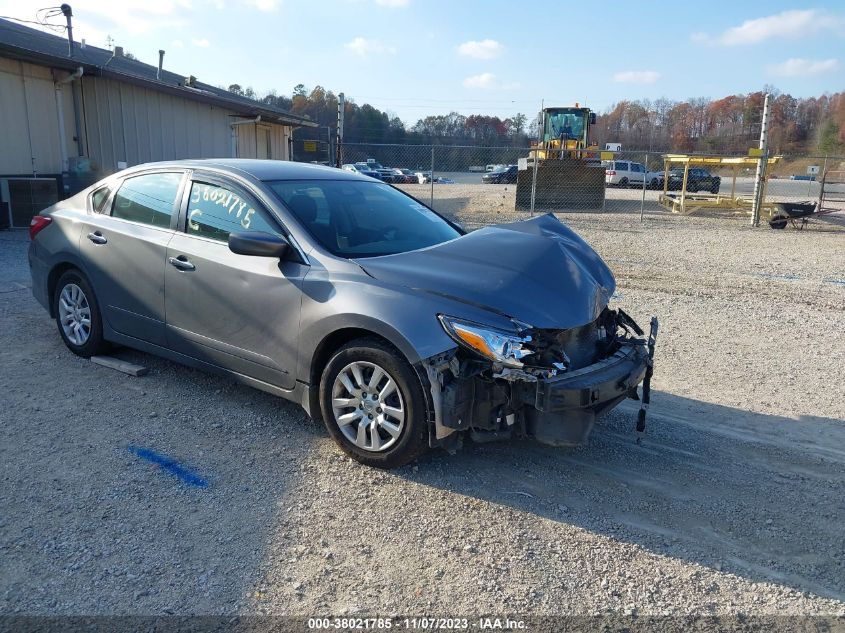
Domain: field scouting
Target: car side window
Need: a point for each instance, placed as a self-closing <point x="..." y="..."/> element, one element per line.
<point x="215" y="211"/>
<point x="98" y="198"/>
<point x="148" y="199"/>
<point x="621" y="166"/>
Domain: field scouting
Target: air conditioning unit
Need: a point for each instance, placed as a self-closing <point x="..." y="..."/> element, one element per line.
<point x="22" y="198"/>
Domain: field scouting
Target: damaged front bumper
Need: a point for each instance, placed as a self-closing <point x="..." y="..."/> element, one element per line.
<point x="558" y="409"/>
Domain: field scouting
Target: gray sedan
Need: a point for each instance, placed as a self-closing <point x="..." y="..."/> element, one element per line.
<point x="346" y="296"/>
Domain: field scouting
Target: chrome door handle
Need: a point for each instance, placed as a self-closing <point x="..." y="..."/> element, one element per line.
<point x="181" y="263"/>
<point x="97" y="237"/>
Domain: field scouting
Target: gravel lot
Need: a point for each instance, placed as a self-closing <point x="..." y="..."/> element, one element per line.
<point x="733" y="503"/>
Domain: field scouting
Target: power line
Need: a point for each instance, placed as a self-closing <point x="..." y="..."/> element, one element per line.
<point x="14" y="19"/>
<point x="41" y="17"/>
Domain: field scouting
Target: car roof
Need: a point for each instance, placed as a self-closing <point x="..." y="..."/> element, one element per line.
<point x="262" y="169"/>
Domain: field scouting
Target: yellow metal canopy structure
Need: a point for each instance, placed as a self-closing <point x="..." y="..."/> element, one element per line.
<point x="687" y="203"/>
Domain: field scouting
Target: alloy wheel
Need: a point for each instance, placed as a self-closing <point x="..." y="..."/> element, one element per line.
<point x="75" y="314"/>
<point x="368" y="406"/>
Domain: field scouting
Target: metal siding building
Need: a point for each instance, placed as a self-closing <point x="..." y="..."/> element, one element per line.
<point x="68" y="118"/>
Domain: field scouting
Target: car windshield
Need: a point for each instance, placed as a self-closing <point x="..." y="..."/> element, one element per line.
<point x="352" y="218"/>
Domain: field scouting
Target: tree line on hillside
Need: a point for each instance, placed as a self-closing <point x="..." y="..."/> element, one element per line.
<point x="727" y="125"/>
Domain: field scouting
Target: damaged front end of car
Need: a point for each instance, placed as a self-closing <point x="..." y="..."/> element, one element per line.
<point x="548" y="384"/>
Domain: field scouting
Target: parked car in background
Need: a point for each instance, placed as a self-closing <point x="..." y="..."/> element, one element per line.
<point x="505" y="174"/>
<point x="423" y="177"/>
<point x="386" y="173"/>
<point x="410" y="175"/>
<point x="399" y="176"/>
<point x="494" y="167"/>
<point x="697" y="180"/>
<point x="343" y="294"/>
<point x="654" y="179"/>
<point x="624" y="173"/>
<point x="363" y="169"/>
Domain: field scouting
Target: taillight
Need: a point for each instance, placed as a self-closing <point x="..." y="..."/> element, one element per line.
<point x="38" y="223"/>
<point x="611" y="173"/>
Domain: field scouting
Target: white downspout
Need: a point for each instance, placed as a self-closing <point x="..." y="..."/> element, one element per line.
<point x="60" y="110"/>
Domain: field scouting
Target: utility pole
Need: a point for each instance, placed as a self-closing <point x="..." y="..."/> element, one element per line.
<point x="540" y="122"/>
<point x="341" y="102"/>
<point x="762" y="163"/>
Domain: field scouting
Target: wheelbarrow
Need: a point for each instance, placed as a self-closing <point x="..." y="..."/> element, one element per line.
<point x="795" y="213"/>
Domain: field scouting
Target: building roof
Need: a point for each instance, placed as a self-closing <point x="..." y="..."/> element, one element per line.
<point x="31" y="45"/>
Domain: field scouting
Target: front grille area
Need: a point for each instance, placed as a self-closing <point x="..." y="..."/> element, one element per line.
<point x="580" y="344"/>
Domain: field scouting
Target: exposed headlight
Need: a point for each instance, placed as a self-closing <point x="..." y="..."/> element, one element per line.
<point x="498" y="345"/>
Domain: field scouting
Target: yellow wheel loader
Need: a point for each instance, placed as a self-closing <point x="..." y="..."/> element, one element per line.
<point x="568" y="168"/>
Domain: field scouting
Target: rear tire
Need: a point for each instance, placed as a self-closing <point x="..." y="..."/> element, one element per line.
<point x="78" y="315"/>
<point x="623" y="183"/>
<point x="373" y="405"/>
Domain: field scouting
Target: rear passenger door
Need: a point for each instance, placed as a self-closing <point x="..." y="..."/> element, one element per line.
<point x="123" y="245"/>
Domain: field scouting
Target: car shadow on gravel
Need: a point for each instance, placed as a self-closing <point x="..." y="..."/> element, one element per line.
<point x="759" y="496"/>
<point x="138" y="495"/>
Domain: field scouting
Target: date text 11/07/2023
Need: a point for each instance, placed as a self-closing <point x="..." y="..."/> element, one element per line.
<point x="421" y="623"/>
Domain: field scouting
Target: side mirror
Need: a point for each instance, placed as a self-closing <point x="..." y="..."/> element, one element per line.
<point x="592" y="118"/>
<point x="259" y="244"/>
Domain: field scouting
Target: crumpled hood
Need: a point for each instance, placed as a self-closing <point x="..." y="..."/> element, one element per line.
<point x="538" y="271"/>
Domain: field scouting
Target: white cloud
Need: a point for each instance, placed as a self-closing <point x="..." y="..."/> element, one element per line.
<point x="484" y="80"/>
<point x="792" y="24"/>
<point x="363" y="47"/>
<point x="488" y="81"/>
<point x="797" y="66"/>
<point x="135" y="17"/>
<point x="636" y="77"/>
<point x="94" y="20"/>
<point x="264" y="5"/>
<point x="484" y="49"/>
<point x="200" y="43"/>
<point x="393" y="4"/>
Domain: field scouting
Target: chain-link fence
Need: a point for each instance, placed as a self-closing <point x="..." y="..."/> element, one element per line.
<point x="483" y="185"/>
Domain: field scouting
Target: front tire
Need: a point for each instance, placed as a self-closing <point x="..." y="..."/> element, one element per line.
<point x="373" y="405"/>
<point x="78" y="315"/>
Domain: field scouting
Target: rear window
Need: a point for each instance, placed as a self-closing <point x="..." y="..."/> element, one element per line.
<point x="98" y="199"/>
<point x="148" y="199"/>
<point x="621" y="166"/>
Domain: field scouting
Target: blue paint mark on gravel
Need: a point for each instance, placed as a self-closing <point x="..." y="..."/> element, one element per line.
<point x="838" y="282"/>
<point x="170" y="466"/>
<point x="786" y="277"/>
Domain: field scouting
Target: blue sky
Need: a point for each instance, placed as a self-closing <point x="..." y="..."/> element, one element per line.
<point x="419" y="57"/>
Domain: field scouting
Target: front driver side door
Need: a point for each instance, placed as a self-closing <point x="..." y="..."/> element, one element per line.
<point x="234" y="311"/>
